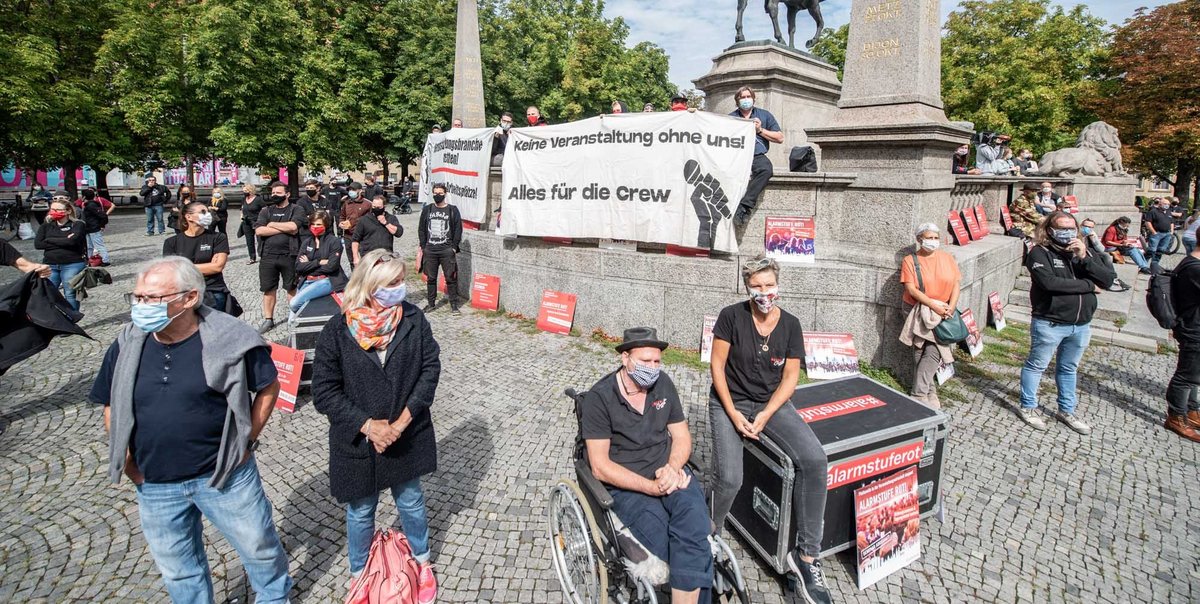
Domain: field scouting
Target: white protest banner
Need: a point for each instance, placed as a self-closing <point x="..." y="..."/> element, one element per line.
<point x="673" y="178"/>
<point x="459" y="158"/>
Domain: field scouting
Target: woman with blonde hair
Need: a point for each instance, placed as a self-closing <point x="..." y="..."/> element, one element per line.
<point x="63" y="241"/>
<point x="375" y="372"/>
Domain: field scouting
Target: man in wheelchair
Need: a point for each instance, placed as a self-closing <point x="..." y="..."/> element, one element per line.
<point x="638" y="445"/>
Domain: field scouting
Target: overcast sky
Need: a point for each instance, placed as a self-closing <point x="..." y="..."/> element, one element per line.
<point x="694" y="32"/>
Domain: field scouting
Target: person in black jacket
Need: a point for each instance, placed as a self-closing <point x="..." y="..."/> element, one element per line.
<point x="154" y="199"/>
<point x="208" y="250"/>
<point x="279" y="225"/>
<point x="252" y="206"/>
<point x="219" y="206"/>
<point x="319" y="265"/>
<point x="64" y="241"/>
<point x="375" y="372"/>
<point x="500" y="138"/>
<point x="1066" y="277"/>
<point x="1183" y="391"/>
<point x="439" y="230"/>
<point x="95" y="218"/>
<point x="375" y="231"/>
<point x="371" y="189"/>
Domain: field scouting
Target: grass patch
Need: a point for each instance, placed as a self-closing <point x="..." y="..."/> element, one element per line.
<point x="1120" y="322"/>
<point x="881" y="375"/>
<point x="1166" y="349"/>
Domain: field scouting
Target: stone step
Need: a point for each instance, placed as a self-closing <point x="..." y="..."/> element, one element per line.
<point x="1103" y="331"/>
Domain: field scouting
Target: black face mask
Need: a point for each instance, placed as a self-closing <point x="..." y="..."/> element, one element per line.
<point x="377" y="211"/>
<point x="278" y="199"/>
<point x="311" y="192"/>
<point x="439" y="197"/>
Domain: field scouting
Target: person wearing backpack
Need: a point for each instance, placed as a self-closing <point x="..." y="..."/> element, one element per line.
<point x="1065" y="277"/>
<point x="1183" y="399"/>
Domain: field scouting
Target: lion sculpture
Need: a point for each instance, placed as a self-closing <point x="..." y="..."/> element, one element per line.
<point x="1096" y="153"/>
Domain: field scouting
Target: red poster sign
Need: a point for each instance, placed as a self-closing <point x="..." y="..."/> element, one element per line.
<point x="957" y="228"/>
<point x="558" y="240"/>
<point x="997" y="309"/>
<point x="790" y="239"/>
<point x="1071" y="203"/>
<point x="968" y="216"/>
<point x="887" y="526"/>
<point x="836" y="408"/>
<point x="557" y="312"/>
<point x="470" y="226"/>
<point x="686" y="252"/>
<point x="485" y="292"/>
<point x="288" y="362"/>
<point x="873" y="464"/>
<point x="982" y="219"/>
<point x="1005" y="218"/>
<point x="829" y="355"/>
<point x="974" y="341"/>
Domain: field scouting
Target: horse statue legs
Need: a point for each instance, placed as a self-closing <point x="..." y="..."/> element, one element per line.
<point x="741" y="9"/>
<point x="793" y="8"/>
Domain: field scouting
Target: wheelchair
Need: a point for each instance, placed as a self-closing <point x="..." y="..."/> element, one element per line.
<point x="598" y="560"/>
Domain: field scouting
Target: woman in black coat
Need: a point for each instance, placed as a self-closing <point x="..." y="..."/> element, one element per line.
<point x="319" y="265"/>
<point x="375" y="371"/>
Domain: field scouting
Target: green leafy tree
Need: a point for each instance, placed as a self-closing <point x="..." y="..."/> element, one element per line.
<point x="831" y="47"/>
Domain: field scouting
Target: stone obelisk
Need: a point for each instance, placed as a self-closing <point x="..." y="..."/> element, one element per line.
<point x="468" y="68"/>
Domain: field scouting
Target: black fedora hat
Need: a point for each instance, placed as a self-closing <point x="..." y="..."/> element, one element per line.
<point x="1030" y="187"/>
<point x="640" y="337"/>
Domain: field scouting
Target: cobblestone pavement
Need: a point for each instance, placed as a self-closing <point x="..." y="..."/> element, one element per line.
<point x="1031" y="516"/>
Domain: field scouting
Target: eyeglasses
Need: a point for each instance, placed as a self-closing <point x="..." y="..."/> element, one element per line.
<point x="388" y="257"/>
<point x="151" y="299"/>
<point x="754" y="266"/>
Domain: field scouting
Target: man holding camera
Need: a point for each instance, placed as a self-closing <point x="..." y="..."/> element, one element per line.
<point x="989" y="151"/>
<point x="154" y="198"/>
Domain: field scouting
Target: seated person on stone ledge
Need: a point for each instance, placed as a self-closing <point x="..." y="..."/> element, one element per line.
<point x="961" y="164"/>
<point x="1116" y="239"/>
<point x="766" y="131"/>
<point x="1024" y="212"/>
<point x="638" y="445"/>
<point x="988" y="155"/>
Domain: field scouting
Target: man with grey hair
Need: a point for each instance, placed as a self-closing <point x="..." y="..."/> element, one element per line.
<point x="186" y="392"/>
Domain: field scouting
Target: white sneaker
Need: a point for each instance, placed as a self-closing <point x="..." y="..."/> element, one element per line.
<point x="1032" y="417"/>
<point x="1073" y="423"/>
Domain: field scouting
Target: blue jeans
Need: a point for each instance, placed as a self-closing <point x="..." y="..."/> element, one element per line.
<point x="675" y="529"/>
<point x="154" y="215"/>
<point x="61" y="275"/>
<point x="219" y="300"/>
<point x="1189" y="244"/>
<point x="1046" y="338"/>
<point x="1138" y="258"/>
<point x="172" y="527"/>
<point x="1157" y="244"/>
<point x="310" y="290"/>
<point x="360" y="523"/>
<point x="95" y="244"/>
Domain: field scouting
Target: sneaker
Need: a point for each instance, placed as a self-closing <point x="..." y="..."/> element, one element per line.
<point x="812" y="578"/>
<point x="1031" y="417"/>
<point x="429" y="306"/>
<point x="427" y="586"/>
<point x="455" y="310"/>
<point x="1073" y="422"/>
<point x="149" y="234"/>
<point x="266" y="325"/>
<point x="251" y="261"/>
<point x="740" y="218"/>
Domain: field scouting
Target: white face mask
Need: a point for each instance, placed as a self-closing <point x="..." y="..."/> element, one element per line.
<point x="931" y="244"/>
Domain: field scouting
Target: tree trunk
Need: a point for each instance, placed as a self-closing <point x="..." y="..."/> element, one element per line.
<point x="1185" y="171"/>
<point x="102" y="182"/>
<point x="69" y="181"/>
<point x="384" y="160"/>
<point x="191" y="172"/>
<point x="293" y="172"/>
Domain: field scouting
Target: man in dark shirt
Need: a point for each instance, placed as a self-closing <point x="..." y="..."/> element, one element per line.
<point x="1183" y="391"/>
<point x="439" y="231"/>
<point x="186" y="393"/>
<point x="370" y="188"/>
<point x="766" y="131"/>
<point x="9" y="256"/>
<point x="638" y="445"/>
<point x="377" y="230"/>
<point x="311" y="199"/>
<point x="278" y="225"/>
<point x="332" y="195"/>
<point x="500" y="138"/>
<point x="1161" y="226"/>
<point x="354" y="207"/>
<point x="154" y="198"/>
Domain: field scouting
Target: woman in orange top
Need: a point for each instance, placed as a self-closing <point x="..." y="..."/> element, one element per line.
<point x="937" y="289"/>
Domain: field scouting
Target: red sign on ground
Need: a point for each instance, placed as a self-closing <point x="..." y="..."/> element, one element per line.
<point x="957" y="228"/>
<point x="557" y="312"/>
<point x="1005" y="218"/>
<point x="873" y="464"/>
<point x="997" y="310"/>
<point x="968" y="216"/>
<point x="686" y="252"/>
<point x="288" y="362"/>
<point x="982" y="219"/>
<point x="485" y="292"/>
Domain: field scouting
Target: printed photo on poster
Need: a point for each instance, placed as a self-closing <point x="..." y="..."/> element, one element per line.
<point x="974" y="341"/>
<point x="887" y="522"/>
<point x="789" y="239"/>
<point x="944" y="373"/>
<point x="288" y="362"/>
<point x="997" y="310"/>
<point x="557" y="312"/>
<point x="706" y="338"/>
<point x="829" y="355"/>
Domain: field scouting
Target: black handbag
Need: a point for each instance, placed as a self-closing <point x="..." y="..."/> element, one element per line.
<point x="949" y="331"/>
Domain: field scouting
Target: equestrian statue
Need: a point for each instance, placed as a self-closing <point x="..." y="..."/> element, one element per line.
<point x="793" y="7"/>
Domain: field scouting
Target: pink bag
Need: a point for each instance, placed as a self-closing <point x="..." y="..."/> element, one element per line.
<point x="391" y="575"/>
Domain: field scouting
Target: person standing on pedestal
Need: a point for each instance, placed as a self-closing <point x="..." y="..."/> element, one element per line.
<point x="766" y="131"/>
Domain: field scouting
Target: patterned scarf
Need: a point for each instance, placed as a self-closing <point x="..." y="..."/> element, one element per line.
<point x="374" y="328"/>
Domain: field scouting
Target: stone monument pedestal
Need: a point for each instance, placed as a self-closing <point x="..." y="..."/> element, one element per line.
<point x="800" y="90"/>
<point x="1104" y="199"/>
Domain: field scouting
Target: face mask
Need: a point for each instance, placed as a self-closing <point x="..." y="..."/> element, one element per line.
<point x="1062" y="236"/>
<point x="204" y="220"/>
<point x="678" y="106"/>
<point x="765" y="300"/>
<point x="960" y="152"/>
<point x="353" y="194"/>
<point x="1026" y="156"/>
<point x="311" y="192"/>
<point x="57" y="214"/>
<point x="388" y="297"/>
<point x="745" y="104"/>
<point x="1046" y="190"/>
<point x="532" y="119"/>
<point x="931" y="244"/>
<point x="377" y="211"/>
<point x="1087" y="230"/>
<point x="151" y="318"/>
<point x="317" y="231"/>
<point x="278" y="199"/>
<point x="439" y="197"/>
<point x="644" y="376"/>
<point x="505" y="125"/>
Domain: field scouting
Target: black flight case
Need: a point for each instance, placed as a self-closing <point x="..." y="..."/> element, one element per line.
<point x="307" y="327"/>
<point x="868" y="431"/>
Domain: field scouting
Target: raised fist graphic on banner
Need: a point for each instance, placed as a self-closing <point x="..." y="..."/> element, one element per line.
<point x="708" y="199"/>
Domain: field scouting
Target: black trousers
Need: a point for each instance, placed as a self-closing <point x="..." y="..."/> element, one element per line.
<point x="251" y="239"/>
<point x="760" y="173"/>
<point x="447" y="260"/>
<point x="1182" y="389"/>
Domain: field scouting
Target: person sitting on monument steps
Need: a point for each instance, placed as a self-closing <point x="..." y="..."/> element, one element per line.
<point x="988" y="153"/>
<point x="638" y="445"/>
<point x="766" y="131"/>
<point x="1116" y="239"/>
<point x="931" y="289"/>
<point x="1024" y="212"/>
<point x="1065" y="280"/>
<point x="533" y="115"/>
<point x="1087" y="232"/>
<point x="500" y="138"/>
<point x="961" y="163"/>
<point x="757" y="350"/>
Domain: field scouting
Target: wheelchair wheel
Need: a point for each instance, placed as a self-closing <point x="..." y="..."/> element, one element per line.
<point x="727" y="574"/>
<point x="574" y="544"/>
<point x="1173" y="246"/>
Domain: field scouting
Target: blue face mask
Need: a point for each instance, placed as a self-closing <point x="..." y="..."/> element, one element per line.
<point x="1062" y="236"/>
<point x="1087" y="230"/>
<point x="151" y="318"/>
<point x="745" y="104"/>
<point x="388" y="297"/>
<point x="644" y="376"/>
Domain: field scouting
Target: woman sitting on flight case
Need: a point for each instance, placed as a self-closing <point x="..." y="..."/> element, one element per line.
<point x="319" y="264"/>
<point x="756" y="354"/>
